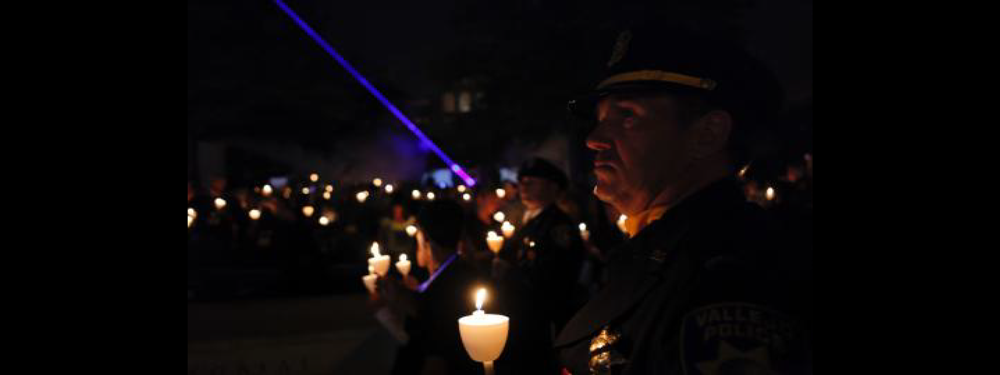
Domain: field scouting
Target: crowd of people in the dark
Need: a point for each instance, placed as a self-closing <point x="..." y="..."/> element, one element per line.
<point x="264" y="242"/>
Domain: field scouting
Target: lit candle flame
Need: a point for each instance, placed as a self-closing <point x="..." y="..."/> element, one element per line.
<point x="480" y="298"/>
<point x="415" y="194"/>
<point x="254" y="214"/>
<point x="324" y="221"/>
<point x="507" y="228"/>
<point x="375" y="252"/>
<point x="308" y="211"/>
<point x="499" y="216"/>
<point x="402" y="257"/>
<point x="190" y="221"/>
<point x="362" y="196"/>
<point x="377" y="182"/>
<point x="314" y="177"/>
<point x="430" y="195"/>
<point x="220" y="203"/>
<point x="770" y="193"/>
<point x="329" y="188"/>
<point x="621" y="223"/>
<point x="466" y="197"/>
<point x="192" y="212"/>
<point x="583" y="227"/>
<point x="388" y="188"/>
<point x="326" y="195"/>
<point x="411" y="230"/>
<point x="267" y="190"/>
<point x="461" y="188"/>
<point x="501" y="193"/>
<point x="305" y="191"/>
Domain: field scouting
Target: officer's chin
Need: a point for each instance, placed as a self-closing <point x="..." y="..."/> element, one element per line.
<point x="604" y="192"/>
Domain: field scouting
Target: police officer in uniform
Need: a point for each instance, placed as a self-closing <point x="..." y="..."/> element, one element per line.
<point x="704" y="285"/>
<point x="537" y="271"/>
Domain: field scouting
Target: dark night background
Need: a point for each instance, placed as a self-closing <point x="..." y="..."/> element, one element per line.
<point x="264" y="93"/>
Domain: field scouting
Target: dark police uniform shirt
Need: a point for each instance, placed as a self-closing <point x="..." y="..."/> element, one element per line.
<point x="537" y="291"/>
<point x="707" y="289"/>
<point x="550" y="267"/>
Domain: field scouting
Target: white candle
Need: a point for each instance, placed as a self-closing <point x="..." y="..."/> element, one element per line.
<point x="507" y="228"/>
<point x="266" y="190"/>
<point x="499" y="216"/>
<point x="584" y="232"/>
<point x="361" y="196"/>
<point x="220" y="203"/>
<point x="403" y="265"/>
<point x="411" y="230"/>
<point x="308" y="211"/>
<point x="254" y="214"/>
<point x="379" y="261"/>
<point x="369" y="279"/>
<point x="415" y="194"/>
<point x="483" y="335"/>
<point x="494" y="241"/>
<point x="501" y="193"/>
<point x="192" y="213"/>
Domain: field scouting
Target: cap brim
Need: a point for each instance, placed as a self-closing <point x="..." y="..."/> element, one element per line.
<point x="584" y="107"/>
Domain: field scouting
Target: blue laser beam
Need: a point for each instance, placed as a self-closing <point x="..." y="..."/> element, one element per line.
<point x="378" y="95"/>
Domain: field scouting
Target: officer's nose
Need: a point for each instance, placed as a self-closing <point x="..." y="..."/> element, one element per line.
<point x="597" y="140"/>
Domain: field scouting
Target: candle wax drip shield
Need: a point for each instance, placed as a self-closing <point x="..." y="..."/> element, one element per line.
<point x="484" y="336"/>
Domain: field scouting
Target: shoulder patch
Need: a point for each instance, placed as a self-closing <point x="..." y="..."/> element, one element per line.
<point x="741" y="338"/>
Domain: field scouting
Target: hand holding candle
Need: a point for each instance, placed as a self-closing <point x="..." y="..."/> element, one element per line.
<point x="379" y="261"/>
<point x="403" y="265"/>
<point x="483" y="335"/>
<point x="369" y="279"/>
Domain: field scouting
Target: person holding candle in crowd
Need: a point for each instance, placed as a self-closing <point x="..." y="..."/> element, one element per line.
<point x="537" y="269"/>
<point x="392" y="230"/>
<point x="432" y="308"/>
<point x="478" y="223"/>
<point x="551" y="265"/>
<point x="512" y="206"/>
<point x="704" y="283"/>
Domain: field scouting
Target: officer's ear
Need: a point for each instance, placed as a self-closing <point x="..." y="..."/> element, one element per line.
<point x="711" y="133"/>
